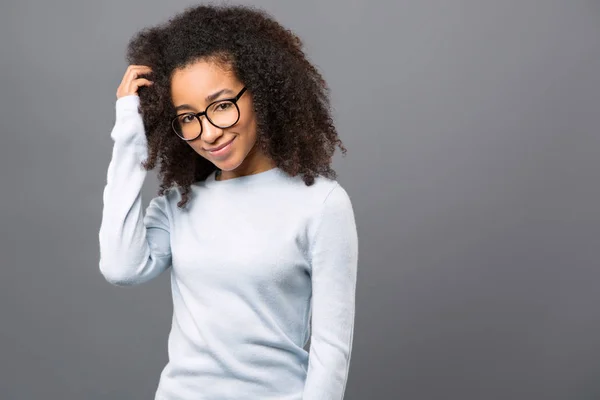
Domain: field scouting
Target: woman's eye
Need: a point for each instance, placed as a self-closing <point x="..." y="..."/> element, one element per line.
<point x="223" y="106"/>
<point x="186" y="119"/>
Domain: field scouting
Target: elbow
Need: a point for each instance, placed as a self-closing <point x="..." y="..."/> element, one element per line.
<point x="121" y="277"/>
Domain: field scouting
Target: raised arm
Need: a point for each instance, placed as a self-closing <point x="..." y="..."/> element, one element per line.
<point x="334" y="255"/>
<point x="134" y="246"/>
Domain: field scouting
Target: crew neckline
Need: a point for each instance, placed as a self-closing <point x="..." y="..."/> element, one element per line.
<point x="258" y="177"/>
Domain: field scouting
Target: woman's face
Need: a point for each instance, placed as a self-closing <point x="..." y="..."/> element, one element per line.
<point x="196" y="86"/>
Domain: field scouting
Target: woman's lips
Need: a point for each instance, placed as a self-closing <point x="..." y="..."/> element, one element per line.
<point x="224" y="150"/>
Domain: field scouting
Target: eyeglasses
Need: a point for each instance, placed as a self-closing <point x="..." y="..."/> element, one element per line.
<point x="221" y="114"/>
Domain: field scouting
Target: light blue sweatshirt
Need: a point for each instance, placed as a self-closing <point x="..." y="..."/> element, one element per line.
<point x="253" y="261"/>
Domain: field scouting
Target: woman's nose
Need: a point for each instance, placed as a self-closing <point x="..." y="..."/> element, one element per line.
<point x="210" y="132"/>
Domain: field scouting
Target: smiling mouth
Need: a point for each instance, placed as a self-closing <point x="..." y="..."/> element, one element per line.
<point x="219" y="147"/>
<point x="222" y="151"/>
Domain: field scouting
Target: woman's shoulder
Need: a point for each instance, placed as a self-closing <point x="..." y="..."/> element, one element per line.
<point x="324" y="190"/>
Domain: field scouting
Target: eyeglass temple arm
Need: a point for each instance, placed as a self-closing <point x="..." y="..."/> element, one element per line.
<point x="240" y="94"/>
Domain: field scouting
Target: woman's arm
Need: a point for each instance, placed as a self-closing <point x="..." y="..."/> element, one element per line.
<point x="134" y="247"/>
<point x="334" y="258"/>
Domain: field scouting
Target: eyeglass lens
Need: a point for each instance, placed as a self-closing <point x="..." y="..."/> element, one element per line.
<point x="222" y="114"/>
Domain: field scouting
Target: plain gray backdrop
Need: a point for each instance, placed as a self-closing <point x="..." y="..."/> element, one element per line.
<point x="473" y="164"/>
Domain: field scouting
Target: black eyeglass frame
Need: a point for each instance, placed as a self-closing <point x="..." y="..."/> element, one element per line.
<point x="233" y="100"/>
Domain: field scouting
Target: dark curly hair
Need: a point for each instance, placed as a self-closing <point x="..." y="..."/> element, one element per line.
<point x="291" y="98"/>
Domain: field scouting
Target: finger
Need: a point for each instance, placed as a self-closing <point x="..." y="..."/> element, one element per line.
<point x="136" y="72"/>
<point x="138" y="69"/>
<point x="142" y="82"/>
<point x="135" y="84"/>
<point x="131" y="74"/>
<point x="132" y="87"/>
<point x="134" y="66"/>
<point x="133" y="71"/>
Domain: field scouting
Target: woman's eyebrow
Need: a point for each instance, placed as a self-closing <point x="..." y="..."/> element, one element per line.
<point x="214" y="96"/>
<point x="209" y="99"/>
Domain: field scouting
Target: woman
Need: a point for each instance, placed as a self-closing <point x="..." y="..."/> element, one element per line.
<point x="259" y="237"/>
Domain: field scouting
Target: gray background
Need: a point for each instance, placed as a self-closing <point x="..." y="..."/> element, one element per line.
<point x="473" y="160"/>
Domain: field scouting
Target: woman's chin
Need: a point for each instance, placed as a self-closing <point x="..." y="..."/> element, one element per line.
<point x="228" y="165"/>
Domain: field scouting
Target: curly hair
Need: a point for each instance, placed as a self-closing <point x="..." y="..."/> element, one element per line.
<point x="290" y="97"/>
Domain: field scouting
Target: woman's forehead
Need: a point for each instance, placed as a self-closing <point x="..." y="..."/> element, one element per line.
<point x="199" y="80"/>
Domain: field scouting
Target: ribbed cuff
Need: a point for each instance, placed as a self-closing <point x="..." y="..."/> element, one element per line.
<point x="127" y="105"/>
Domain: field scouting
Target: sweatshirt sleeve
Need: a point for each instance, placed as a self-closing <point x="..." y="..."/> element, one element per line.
<point x="334" y="258"/>
<point x="134" y="246"/>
